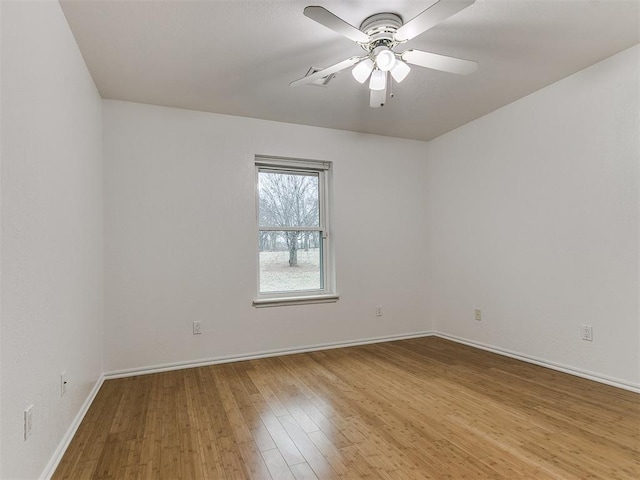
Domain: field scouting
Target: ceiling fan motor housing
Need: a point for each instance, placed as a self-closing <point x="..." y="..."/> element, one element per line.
<point x="381" y="29"/>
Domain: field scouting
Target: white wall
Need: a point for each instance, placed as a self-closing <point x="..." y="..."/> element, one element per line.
<point x="51" y="243"/>
<point x="532" y="216"/>
<point x="529" y="213"/>
<point x="181" y="238"/>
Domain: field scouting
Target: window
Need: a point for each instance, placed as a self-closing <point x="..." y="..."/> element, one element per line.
<point x="294" y="247"/>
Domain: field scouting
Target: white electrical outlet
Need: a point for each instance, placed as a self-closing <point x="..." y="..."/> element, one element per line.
<point x="197" y="328"/>
<point x="587" y="333"/>
<point x="63" y="383"/>
<point x="28" y="422"/>
<point x="378" y="310"/>
<point x="478" y="315"/>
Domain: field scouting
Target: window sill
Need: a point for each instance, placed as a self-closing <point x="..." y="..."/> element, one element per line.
<point x="285" y="301"/>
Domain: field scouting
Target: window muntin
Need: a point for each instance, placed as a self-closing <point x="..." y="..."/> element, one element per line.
<point x="293" y="242"/>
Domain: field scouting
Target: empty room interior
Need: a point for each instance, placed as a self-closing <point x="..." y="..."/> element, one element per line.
<point x="392" y="239"/>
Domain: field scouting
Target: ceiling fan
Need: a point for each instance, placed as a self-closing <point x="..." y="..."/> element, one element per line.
<point x="379" y="35"/>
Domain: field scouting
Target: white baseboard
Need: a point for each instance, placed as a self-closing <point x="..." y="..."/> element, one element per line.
<point x="71" y="431"/>
<point x="253" y="356"/>
<point x="596" y="377"/>
<point x="615" y="382"/>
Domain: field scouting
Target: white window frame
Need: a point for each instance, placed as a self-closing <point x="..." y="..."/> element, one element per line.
<point x="327" y="294"/>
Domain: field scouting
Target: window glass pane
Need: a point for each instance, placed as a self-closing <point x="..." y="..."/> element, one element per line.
<point x="288" y="199"/>
<point x="290" y="261"/>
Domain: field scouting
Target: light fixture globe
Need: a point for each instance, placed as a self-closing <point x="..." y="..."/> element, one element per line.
<point x="362" y="70"/>
<point x="400" y="71"/>
<point x="385" y="58"/>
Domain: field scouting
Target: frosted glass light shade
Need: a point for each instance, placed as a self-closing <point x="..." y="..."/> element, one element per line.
<point x="400" y="71"/>
<point x="385" y="58"/>
<point x="378" y="80"/>
<point x="362" y="70"/>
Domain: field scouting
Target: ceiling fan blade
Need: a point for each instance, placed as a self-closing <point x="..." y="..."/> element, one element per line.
<point x="378" y="97"/>
<point x="327" y="71"/>
<point x="329" y="20"/>
<point x="432" y="16"/>
<point x="439" y="62"/>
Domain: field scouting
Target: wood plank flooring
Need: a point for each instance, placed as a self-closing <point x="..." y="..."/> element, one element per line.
<point x="424" y="408"/>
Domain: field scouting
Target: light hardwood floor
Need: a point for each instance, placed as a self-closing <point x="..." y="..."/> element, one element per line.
<point x="424" y="408"/>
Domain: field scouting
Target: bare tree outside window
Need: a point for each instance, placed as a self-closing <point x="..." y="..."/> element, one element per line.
<point x="289" y="221"/>
<point x="289" y="200"/>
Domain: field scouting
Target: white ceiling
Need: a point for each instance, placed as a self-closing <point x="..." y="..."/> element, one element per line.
<point x="238" y="56"/>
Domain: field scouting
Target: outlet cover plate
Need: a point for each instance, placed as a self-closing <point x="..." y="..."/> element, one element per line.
<point x="197" y="328"/>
